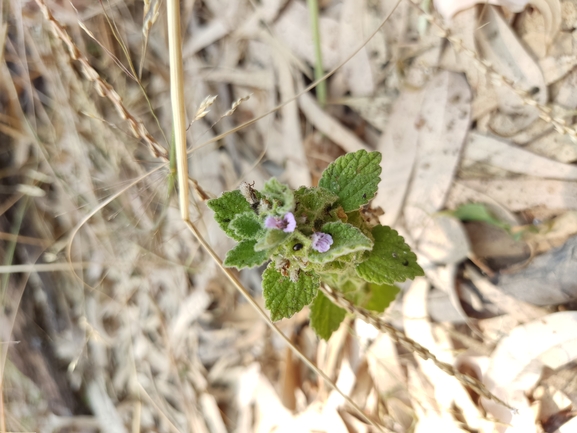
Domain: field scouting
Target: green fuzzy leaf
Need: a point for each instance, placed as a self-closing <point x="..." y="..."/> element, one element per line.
<point x="325" y="316"/>
<point x="226" y="207"/>
<point x="243" y="256"/>
<point x="247" y="225"/>
<point x="380" y="296"/>
<point x="279" y="196"/>
<point x="312" y="203"/>
<point x="273" y="238"/>
<point x="354" y="177"/>
<point x="478" y="212"/>
<point x="347" y="283"/>
<point x="390" y="260"/>
<point x="356" y="218"/>
<point x="346" y="239"/>
<point x="283" y="297"/>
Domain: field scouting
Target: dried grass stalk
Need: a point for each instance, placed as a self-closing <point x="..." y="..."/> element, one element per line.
<point x="177" y="101"/>
<point x="102" y="87"/>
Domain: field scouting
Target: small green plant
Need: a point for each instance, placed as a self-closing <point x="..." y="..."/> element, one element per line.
<point x="317" y="235"/>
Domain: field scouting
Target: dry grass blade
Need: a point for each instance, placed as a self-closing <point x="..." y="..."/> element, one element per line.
<point x="48" y="267"/>
<point x="151" y="13"/>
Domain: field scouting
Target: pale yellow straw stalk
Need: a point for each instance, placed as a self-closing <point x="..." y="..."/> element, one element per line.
<point x="177" y="101"/>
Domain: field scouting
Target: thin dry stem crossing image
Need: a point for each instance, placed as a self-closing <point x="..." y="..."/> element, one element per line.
<point x="288" y="216"/>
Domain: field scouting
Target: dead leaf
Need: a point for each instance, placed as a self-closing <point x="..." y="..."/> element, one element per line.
<point x="442" y="128"/>
<point x="554" y="146"/>
<point x="495" y="328"/>
<point x="293" y="28"/>
<point x="555" y="68"/>
<point x="189" y="311"/>
<point x="357" y="71"/>
<point x="553" y="233"/>
<point x="444" y="278"/>
<point x="329" y="126"/>
<point x="520" y="310"/>
<point x="448" y="8"/>
<point x="297" y="171"/>
<point x="566" y="95"/>
<point x="213" y="31"/>
<point x="554" y="270"/>
<point x="103" y="407"/>
<point x="399" y="149"/>
<point x="501" y="47"/>
<point x="569" y="427"/>
<point x="495" y="246"/>
<point x="525" y="193"/>
<point x="444" y="241"/>
<point x="518" y="360"/>
<point x="538" y="30"/>
<point x="385" y="368"/>
<point x="433" y="423"/>
<point x="498" y="153"/>
<point x="552" y="402"/>
<point x="212" y="413"/>
<point x="448" y="390"/>
<point x="551" y="11"/>
<point x="247" y="386"/>
<point x="463" y="26"/>
<point x="270" y="413"/>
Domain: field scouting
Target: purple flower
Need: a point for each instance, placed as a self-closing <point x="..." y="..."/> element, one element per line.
<point x="321" y="242"/>
<point x="287" y="223"/>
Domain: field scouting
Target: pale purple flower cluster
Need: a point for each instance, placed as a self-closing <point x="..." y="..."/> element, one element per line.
<point x="321" y="241"/>
<point x="287" y="223"/>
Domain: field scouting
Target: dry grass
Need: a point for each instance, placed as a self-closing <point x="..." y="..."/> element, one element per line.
<point x="116" y="316"/>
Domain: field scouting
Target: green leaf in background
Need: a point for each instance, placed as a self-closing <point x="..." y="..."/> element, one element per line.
<point x="346" y="239"/>
<point x="243" y="256"/>
<point x="478" y="212"/>
<point x="312" y="203"/>
<point x="390" y="260"/>
<point x="246" y="225"/>
<point x="283" y="297"/>
<point x="280" y="196"/>
<point x="226" y="207"/>
<point x="325" y="316"/>
<point x="381" y="295"/>
<point x="354" y="177"/>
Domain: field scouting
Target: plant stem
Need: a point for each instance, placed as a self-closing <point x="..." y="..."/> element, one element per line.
<point x="314" y="16"/>
<point x="172" y="166"/>
<point x="177" y="100"/>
